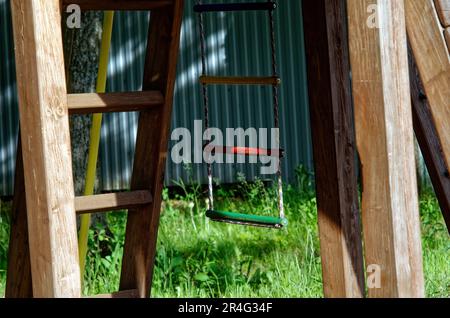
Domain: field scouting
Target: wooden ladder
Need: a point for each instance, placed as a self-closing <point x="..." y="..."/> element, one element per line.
<point x="43" y="259"/>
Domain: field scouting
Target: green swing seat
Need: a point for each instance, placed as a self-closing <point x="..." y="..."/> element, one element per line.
<point x="247" y="219"/>
<point x="274" y="81"/>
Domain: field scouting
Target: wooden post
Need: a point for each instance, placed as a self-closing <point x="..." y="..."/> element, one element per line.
<point x="433" y="61"/>
<point x="334" y="148"/>
<point x="151" y="148"/>
<point x="443" y="11"/>
<point x="385" y="140"/>
<point x="46" y="148"/>
<point x="430" y="146"/>
<point x="18" y="279"/>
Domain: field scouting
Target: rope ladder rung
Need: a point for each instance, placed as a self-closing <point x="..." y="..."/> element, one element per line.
<point x="240" y="80"/>
<point x="244" y="151"/>
<point x="227" y="7"/>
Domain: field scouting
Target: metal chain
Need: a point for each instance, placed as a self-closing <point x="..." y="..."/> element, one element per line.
<point x="275" y="104"/>
<point x="205" y="104"/>
<point x="274" y="66"/>
<point x="276" y="107"/>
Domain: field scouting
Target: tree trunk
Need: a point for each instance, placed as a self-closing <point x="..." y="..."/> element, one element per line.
<point x="82" y="49"/>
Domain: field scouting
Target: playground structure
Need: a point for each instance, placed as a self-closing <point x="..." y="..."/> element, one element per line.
<point x="375" y="112"/>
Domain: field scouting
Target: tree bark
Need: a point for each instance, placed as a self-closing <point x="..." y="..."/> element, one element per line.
<point x="82" y="50"/>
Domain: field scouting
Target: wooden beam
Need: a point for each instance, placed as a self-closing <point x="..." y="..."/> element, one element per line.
<point x="433" y="61"/>
<point x="112" y="201"/>
<point x="382" y="101"/>
<point x="237" y="7"/>
<point x="443" y="10"/>
<point x="429" y="142"/>
<point x="151" y="149"/>
<point x="334" y="148"/>
<point x="239" y="80"/>
<point x="44" y="124"/>
<point x="113" y="102"/>
<point x="118" y="5"/>
<point x="18" y="279"/>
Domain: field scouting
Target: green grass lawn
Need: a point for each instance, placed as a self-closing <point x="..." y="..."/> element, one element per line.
<point x="198" y="258"/>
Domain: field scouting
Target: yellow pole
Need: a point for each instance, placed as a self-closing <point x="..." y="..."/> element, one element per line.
<point x="94" y="143"/>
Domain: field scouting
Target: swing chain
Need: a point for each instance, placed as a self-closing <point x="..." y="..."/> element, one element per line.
<point x="276" y="108"/>
<point x="205" y="103"/>
<point x="275" y="105"/>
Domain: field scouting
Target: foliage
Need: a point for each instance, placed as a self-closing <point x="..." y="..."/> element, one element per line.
<point x="198" y="258"/>
<point x="4" y="240"/>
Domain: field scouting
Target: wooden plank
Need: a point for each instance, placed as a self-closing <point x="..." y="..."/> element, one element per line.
<point x="245" y="151"/>
<point x="151" y="149"/>
<point x="239" y="80"/>
<point x="384" y="130"/>
<point x="118" y="5"/>
<point x="433" y="61"/>
<point x="429" y="142"/>
<point x="113" y="102"/>
<point x="334" y="148"/>
<point x="18" y="279"/>
<point x="443" y="10"/>
<point x="112" y="201"/>
<point x="44" y="124"/>
<point x="238" y="7"/>
<point x="121" y="294"/>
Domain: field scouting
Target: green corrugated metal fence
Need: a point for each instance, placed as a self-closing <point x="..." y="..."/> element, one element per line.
<point x="238" y="44"/>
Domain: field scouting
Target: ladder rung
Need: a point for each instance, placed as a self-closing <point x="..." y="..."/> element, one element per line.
<point x="222" y="7"/>
<point x="118" y="5"/>
<point x="133" y="293"/>
<point x="231" y="80"/>
<point x="248" y="151"/>
<point x="112" y="201"/>
<point x="113" y="102"/>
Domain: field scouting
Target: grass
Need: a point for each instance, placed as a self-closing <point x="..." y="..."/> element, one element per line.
<point x="198" y="258"/>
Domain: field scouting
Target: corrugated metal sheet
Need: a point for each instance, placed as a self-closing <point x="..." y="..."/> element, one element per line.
<point x="8" y="103"/>
<point x="238" y="44"/>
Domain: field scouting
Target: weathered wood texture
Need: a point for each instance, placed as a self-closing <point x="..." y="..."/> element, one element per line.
<point x="443" y="10"/>
<point x="429" y="142"/>
<point x="112" y="201"/>
<point x="334" y="148"/>
<point x="113" y="102"/>
<point x="385" y="141"/>
<point x="18" y="279"/>
<point x="46" y="148"/>
<point x="433" y="61"/>
<point x="151" y="148"/>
